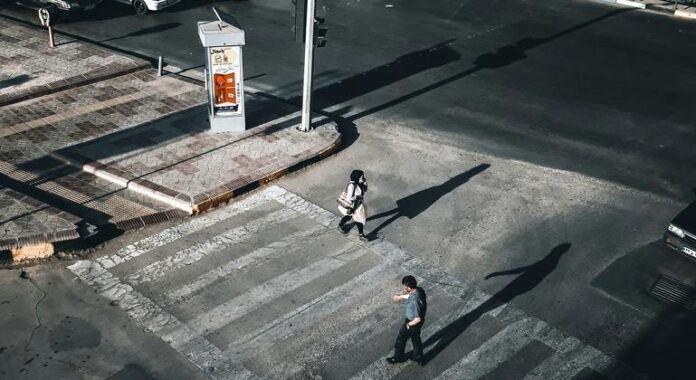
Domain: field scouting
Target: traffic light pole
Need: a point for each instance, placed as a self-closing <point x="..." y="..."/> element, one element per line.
<point x="306" y="124"/>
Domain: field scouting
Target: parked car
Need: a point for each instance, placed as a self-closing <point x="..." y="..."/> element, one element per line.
<point x="63" y="5"/>
<point x="681" y="233"/>
<point x="141" y="7"/>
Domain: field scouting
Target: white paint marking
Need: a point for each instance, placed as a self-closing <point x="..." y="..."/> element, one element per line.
<point x="192" y="254"/>
<point x="492" y="353"/>
<point x="259" y="255"/>
<point x="253" y="298"/>
<point x="305" y="316"/>
<point x="149" y="315"/>
<point x="176" y="232"/>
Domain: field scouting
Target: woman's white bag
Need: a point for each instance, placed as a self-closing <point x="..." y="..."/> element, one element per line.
<point x="344" y="200"/>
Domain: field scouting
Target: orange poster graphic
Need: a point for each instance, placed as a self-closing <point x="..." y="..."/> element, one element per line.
<point x="225" y="88"/>
<point x="225" y="71"/>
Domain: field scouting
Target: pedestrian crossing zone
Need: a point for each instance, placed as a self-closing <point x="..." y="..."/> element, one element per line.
<point x="269" y="288"/>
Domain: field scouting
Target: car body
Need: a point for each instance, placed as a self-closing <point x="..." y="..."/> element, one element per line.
<point x="64" y="5"/>
<point x="143" y="6"/>
<point x="681" y="232"/>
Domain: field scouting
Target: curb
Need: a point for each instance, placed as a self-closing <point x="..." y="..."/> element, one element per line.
<point x="253" y="183"/>
<point x="71" y="238"/>
<point x="686" y="14"/>
<point x="654" y="8"/>
<point x="630" y="3"/>
<point x="40" y="238"/>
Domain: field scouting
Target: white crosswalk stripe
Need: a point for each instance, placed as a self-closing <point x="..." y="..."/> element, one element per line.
<point x="202" y="353"/>
<point x="267" y="292"/>
<point x="197" y="252"/>
<point x="493" y="352"/>
<point x="355" y="325"/>
<point x="171" y="234"/>
<point x="305" y="316"/>
<point x="254" y="258"/>
<point x="322" y="322"/>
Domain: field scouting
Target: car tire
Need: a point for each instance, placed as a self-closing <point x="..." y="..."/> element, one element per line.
<point x="140" y="7"/>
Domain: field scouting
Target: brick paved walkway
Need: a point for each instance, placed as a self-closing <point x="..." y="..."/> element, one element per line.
<point x="101" y="142"/>
<point x="29" y="67"/>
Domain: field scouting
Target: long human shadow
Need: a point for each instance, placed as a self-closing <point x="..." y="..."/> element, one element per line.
<point x="412" y="205"/>
<point x="529" y="277"/>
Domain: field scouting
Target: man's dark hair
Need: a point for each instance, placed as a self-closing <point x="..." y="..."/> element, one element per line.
<point x="409" y="281"/>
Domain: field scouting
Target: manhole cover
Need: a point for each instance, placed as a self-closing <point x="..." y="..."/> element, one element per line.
<point x="673" y="291"/>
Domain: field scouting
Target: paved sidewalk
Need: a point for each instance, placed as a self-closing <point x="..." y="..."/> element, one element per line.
<point x="123" y="152"/>
<point x="29" y="67"/>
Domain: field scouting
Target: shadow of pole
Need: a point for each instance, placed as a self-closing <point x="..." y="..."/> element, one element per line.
<point x="504" y="56"/>
<point x="529" y="277"/>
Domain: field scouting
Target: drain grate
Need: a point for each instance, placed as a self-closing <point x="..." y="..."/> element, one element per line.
<point x="673" y="291"/>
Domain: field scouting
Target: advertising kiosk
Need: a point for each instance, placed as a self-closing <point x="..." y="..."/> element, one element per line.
<point x="223" y="74"/>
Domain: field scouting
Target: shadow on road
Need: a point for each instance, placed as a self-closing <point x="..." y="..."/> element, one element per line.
<point x="504" y="56"/>
<point x="14" y="81"/>
<point x="411" y="206"/>
<point x="149" y="30"/>
<point x="529" y="277"/>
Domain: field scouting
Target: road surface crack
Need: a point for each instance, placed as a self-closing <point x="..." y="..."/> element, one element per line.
<point x="36" y="312"/>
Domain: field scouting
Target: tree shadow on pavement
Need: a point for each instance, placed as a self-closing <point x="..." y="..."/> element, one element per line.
<point x="411" y="206"/>
<point x="529" y="277"/>
<point x="149" y="30"/>
<point x="14" y="81"/>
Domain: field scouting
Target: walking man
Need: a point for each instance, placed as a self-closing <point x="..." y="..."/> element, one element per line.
<point x="416" y="307"/>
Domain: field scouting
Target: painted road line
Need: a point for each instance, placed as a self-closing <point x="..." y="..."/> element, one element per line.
<point x="572" y="355"/>
<point x="375" y="314"/>
<point x="306" y="315"/>
<point x="154" y="319"/>
<point x="496" y="350"/>
<point x="416" y="266"/>
<point x="251" y="299"/>
<point x="301" y="205"/>
<point x="380" y="369"/>
<point x="192" y="254"/>
<point x="173" y="233"/>
<point x="270" y="251"/>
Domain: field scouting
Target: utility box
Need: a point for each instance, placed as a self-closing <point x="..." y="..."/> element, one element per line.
<point x="224" y="79"/>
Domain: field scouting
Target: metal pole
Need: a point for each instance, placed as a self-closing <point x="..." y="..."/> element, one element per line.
<point x="51" y="40"/>
<point x="159" y="66"/>
<point x="308" y="68"/>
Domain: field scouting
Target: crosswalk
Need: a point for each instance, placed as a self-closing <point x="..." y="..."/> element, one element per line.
<point x="267" y="288"/>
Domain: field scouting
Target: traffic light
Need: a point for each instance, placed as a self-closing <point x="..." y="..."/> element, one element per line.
<point x="320" y="30"/>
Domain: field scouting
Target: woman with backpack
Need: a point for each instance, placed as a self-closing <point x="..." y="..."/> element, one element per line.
<point x="351" y="204"/>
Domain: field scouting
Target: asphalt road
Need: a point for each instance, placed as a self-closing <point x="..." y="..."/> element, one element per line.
<point x="583" y="111"/>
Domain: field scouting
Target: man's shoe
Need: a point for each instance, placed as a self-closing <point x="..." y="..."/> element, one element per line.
<point x="342" y="230"/>
<point x="362" y="237"/>
<point x="394" y="360"/>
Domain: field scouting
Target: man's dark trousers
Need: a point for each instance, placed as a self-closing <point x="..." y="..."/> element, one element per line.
<point x="404" y="335"/>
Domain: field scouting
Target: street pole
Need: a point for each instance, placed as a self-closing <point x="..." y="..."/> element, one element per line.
<point x="308" y="68"/>
<point x="45" y="18"/>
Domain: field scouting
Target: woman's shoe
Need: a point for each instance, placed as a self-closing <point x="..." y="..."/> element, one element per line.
<point x="362" y="237"/>
<point x="342" y="230"/>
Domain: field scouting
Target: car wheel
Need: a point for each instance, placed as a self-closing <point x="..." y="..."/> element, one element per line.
<point x="140" y="7"/>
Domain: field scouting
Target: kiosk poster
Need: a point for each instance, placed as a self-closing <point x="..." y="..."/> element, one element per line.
<point x="224" y="67"/>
